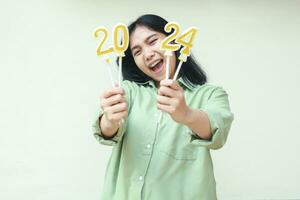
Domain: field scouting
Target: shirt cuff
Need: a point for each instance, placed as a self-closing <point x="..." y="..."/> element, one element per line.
<point x="107" y="141"/>
<point x="220" y="123"/>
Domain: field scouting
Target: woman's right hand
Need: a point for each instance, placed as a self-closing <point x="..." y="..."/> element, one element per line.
<point x="114" y="105"/>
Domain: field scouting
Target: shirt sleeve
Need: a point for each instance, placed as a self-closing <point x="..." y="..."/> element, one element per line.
<point x="220" y="117"/>
<point x="119" y="135"/>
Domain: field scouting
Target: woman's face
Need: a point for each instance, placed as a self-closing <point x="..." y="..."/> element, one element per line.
<point x="145" y="47"/>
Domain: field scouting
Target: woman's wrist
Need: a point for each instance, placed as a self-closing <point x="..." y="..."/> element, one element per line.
<point x="198" y="122"/>
<point x="189" y="118"/>
<point x="108" y="129"/>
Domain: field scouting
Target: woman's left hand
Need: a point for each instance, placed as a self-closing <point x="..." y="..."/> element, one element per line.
<point x="171" y="99"/>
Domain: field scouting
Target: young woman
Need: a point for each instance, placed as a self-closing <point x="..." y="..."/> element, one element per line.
<point x="163" y="158"/>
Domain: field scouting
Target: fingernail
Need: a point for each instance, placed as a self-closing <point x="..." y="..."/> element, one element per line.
<point x="169" y="81"/>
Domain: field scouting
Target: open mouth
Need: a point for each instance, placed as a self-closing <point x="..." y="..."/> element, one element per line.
<point x="157" y="66"/>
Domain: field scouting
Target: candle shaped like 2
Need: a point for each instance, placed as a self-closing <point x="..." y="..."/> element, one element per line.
<point x="101" y="52"/>
<point x="104" y="53"/>
<point x="167" y="46"/>
<point x="118" y="47"/>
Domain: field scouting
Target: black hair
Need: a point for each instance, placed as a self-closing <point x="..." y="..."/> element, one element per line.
<point x="190" y="71"/>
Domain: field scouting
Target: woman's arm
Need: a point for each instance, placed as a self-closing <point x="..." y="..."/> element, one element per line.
<point x="171" y="100"/>
<point x="198" y="121"/>
<point x="114" y="105"/>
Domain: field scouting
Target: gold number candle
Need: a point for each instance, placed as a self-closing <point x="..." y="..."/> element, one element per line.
<point x="186" y="39"/>
<point x="104" y="53"/>
<point x="167" y="46"/>
<point x="101" y="52"/>
<point x="120" y="48"/>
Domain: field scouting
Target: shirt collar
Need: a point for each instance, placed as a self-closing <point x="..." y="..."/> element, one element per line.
<point x="184" y="84"/>
<point x="150" y="82"/>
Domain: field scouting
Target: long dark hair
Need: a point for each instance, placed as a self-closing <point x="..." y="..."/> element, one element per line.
<point x="190" y="71"/>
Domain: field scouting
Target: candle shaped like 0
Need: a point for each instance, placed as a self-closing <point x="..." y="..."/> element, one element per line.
<point x="187" y="45"/>
<point x="120" y="48"/>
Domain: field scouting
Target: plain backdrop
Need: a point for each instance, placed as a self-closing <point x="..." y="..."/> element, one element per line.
<point x="51" y="81"/>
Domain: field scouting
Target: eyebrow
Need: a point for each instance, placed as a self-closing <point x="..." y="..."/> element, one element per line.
<point x="148" y="38"/>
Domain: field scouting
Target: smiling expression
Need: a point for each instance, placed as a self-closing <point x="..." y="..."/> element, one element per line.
<point x="145" y="47"/>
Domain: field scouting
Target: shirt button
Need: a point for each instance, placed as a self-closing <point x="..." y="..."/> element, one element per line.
<point x="148" y="146"/>
<point x="141" y="178"/>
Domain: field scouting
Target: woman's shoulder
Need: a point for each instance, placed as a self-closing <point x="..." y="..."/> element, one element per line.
<point x="209" y="90"/>
<point x="206" y="87"/>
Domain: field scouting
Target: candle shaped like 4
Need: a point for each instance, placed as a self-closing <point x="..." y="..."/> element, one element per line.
<point x="188" y="35"/>
<point x="120" y="46"/>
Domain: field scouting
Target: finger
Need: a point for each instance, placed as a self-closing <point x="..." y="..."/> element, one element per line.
<point x="165" y="82"/>
<point x="175" y="85"/>
<point x="117" y="117"/>
<point x="166" y="91"/>
<point x="120" y="115"/>
<point x="120" y="107"/>
<point x="112" y="91"/>
<point x="170" y="83"/>
<point x="117" y="98"/>
<point x="163" y="100"/>
<point x="166" y="108"/>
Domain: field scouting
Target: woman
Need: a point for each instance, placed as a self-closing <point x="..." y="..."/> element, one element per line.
<point x="161" y="158"/>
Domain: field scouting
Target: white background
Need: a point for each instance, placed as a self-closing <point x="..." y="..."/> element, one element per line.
<point x="51" y="81"/>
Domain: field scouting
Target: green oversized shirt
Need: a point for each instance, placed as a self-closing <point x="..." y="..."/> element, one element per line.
<point x="164" y="160"/>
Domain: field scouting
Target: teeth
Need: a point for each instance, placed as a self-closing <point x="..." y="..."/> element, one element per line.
<point x="154" y="63"/>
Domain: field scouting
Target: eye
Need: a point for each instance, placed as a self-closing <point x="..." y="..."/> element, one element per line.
<point x="136" y="53"/>
<point x="153" y="41"/>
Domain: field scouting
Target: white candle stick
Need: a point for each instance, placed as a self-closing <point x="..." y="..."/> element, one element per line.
<point x="167" y="67"/>
<point x="120" y="78"/>
<point x="120" y="71"/>
<point x="120" y="47"/>
<point x="169" y="48"/>
<point x="168" y="54"/>
<point x="177" y="70"/>
<point x="109" y="66"/>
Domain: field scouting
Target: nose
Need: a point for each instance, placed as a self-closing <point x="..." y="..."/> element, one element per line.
<point x="149" y="55"/>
